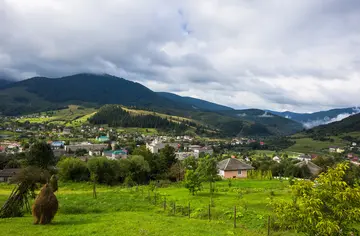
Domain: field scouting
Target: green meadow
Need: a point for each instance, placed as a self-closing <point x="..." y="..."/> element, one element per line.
<point x="147" y="210"/>
<point x="308" y="145"/>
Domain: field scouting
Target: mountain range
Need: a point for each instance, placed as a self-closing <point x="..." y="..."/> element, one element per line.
<point x="310" y="120"/>
<point x="345" y="126"/>
<point x="41" y="93"/>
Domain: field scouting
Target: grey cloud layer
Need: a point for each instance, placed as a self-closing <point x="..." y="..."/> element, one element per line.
<point x="299" y="55"/>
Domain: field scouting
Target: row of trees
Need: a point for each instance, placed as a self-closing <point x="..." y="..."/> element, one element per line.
<point x="140" y="168"/>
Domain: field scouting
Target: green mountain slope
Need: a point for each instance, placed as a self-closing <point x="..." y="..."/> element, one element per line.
<point x="275" y="124"/>
<point x="194" y="102"/>
<point x="89" y="90"/>
<point x="347" y="125"/>
<point x="315" y="116"/>
<point x="38" y="92"/>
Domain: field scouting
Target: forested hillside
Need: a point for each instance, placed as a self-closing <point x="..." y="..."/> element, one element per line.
<point x="273" y="123"/>
<point x="40" y="93"/>
<point x="347" y="125"/>
<point x="115" y="116"/>
<point x="195" y="102"/>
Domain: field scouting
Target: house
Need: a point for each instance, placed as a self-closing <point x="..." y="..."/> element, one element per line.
<point x="66" y="131"/>
<point x="102" y="138"/>
<point x="57" y="144"/>
<point x="94" y="152"/>
<point x="156" y="145"/>
<point x="86" y="146"/>
<point x="314" y="169"/>
<point x="233" y="168"/>
<point x="183" y="155"/>
<point x="7" y="174"/>
<point x="193" y="147"/>
<point x="116" y="154"/>
<point x="203" y="150"/>
<point x="340" y="150"/>
<point x="276" y="158"/>
<point x="304" y="157"/>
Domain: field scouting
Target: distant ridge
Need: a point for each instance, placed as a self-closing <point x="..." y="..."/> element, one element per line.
<point x="93" y="90"/>
<point x="310" y="120"/>
<point x="195" y="102"/>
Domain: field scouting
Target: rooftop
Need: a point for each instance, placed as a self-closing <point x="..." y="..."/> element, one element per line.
<point x="233" y="164"/>
<point x="9" y="172"/>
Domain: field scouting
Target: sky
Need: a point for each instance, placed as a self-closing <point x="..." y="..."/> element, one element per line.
<point x="298" y="55"/>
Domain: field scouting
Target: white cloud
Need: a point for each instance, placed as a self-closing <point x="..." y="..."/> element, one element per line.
<point x="327" y="120"/>
<point x="297" y="55"/>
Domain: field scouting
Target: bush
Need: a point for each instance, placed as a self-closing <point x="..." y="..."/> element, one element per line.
<point x="73" y="169"/>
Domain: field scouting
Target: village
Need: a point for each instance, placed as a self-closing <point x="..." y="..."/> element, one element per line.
<point x="87" y="141"/>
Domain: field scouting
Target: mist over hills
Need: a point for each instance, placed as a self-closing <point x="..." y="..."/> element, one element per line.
<point x="310" y="120"/>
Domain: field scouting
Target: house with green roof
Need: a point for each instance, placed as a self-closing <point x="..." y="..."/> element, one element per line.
<point x="116" y="154"/>
<point x="102" y="139"/>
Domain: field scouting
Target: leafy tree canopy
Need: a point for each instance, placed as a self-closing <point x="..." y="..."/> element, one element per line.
<point x="327" y="207"/>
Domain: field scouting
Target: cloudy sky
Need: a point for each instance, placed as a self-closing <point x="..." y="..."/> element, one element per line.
<point x="299" y="55"/>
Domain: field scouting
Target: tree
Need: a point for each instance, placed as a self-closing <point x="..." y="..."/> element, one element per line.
<point x="168" y="156"/>
<point x="156" y="164"/>
<point x="138" y="169"/>
<point x="176" y="171"/>
<point x="192" y="181"/>
<point x="208" y="170"/>
<point x="41" y="155"/>
<point x="327" y="207"/>
<point x="103" y="170"/>
<point x="73" y="169"/>
<point x="80" y="152"/>
<point x="190" y="163"/>
<point x="13" y="164"/>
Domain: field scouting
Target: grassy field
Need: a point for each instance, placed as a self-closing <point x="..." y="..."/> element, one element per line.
<point x="73" y="115"/>
<point x="134" y="211"/>
<point x="308" y="145"/>
<point x="169" y="117"/>
<point x="149" y="131"/>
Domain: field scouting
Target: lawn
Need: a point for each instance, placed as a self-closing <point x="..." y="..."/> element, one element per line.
<point x="140" y="211"/>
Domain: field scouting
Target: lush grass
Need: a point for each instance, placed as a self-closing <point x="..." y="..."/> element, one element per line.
<point x="353" y="134"/>
<point x="133" y="211"/>
<point x="308" y="145"/>
<point x="149" y="131"/>
<point x="169" y="117"/>
<point x="73" y="115"/>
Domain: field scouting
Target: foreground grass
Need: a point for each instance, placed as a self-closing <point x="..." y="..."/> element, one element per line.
<point x="119" y="223"/>
<point x="134" y="211"/>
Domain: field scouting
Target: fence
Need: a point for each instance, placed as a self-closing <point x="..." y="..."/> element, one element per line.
<point x="172" y="207"/>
